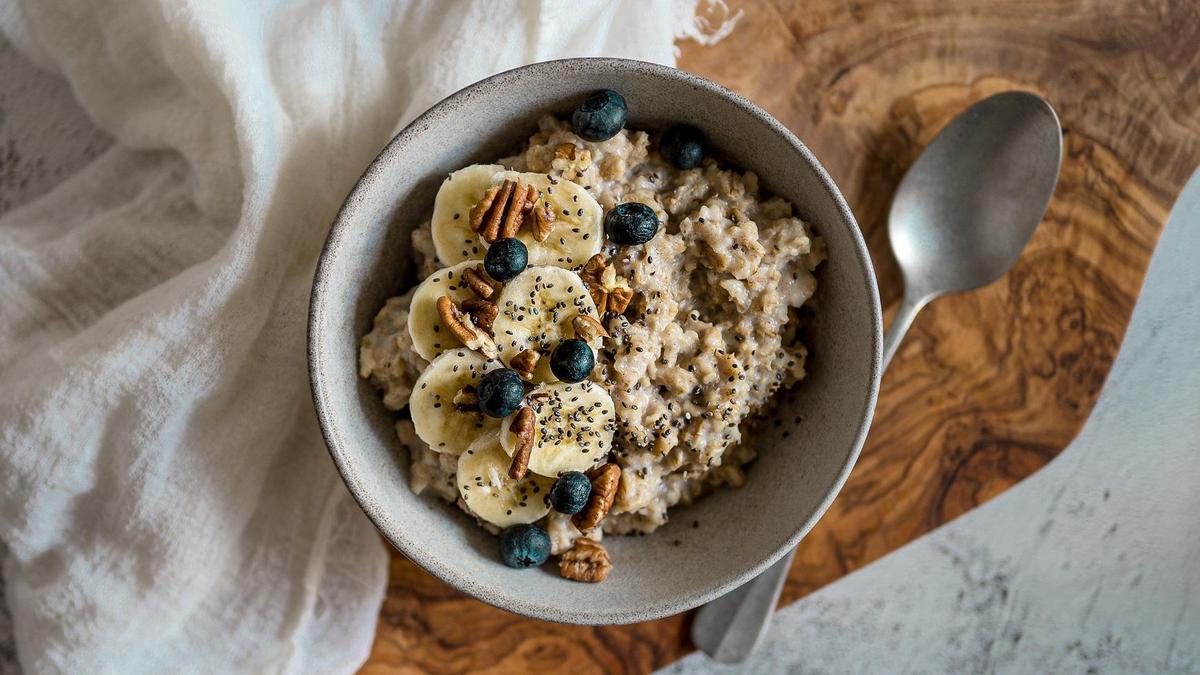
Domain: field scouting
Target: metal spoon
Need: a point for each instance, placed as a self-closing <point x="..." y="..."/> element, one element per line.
<point x="960" y="219"/>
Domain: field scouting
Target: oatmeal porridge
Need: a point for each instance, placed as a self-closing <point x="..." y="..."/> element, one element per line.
<point x="601" y="318"/>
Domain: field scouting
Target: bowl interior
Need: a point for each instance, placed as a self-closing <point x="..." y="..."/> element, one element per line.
<point x="805" y="450"/>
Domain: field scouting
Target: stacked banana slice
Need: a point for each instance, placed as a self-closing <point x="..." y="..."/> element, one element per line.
<point x="573" y="427"/>
<point x="429" y="336"/>
<point x="446" y="425"/>
<point x="578" y="218"/>
<point x="536" y="310"/>
<point x="530" y="314"/>
<point x="492" y="495"/>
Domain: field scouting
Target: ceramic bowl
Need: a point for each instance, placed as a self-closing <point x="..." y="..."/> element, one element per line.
<point x="805" y="452"/>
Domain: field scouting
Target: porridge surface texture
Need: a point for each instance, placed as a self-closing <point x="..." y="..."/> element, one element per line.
<point x="710" y="335"/>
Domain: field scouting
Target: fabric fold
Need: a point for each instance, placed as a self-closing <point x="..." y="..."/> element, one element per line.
<point x="165" y="496"/>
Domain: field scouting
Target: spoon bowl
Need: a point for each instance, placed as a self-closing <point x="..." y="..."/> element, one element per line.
<point x="964" y="211"/>
<point x="966" y="208"/>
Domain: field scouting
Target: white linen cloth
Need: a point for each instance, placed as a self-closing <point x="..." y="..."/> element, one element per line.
<point x="165" y="495"/>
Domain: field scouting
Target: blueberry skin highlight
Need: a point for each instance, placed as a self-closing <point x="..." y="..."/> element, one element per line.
<point x="572" y="360"/>
<point x="501" y="392"/>
<point x="683" y="146"/>
<point x="601" y="116"/>
<point x="631" y="224"/>
<point x="506" y="258"/>
<point x="570" y="492"/>
<point x="524" y="546"/>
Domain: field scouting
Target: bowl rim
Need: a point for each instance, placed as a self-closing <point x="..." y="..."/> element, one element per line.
<point x="406" y="544"/>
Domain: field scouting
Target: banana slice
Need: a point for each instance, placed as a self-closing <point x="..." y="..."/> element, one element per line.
<point x="491" y="495"/>
<point x="429" y="336"/>
<point x="572" y="429"/>
<point x="453" y="238"/>
<point x="536" y="309"/>
<point x="436" y="418"/>
<point x="576" y="236"/>
<point x="578" y="221"/>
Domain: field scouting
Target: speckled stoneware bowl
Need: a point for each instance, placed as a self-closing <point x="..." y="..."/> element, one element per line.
<point x="805" y="453"/>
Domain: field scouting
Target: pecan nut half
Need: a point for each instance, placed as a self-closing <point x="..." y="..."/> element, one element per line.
<point x="592" y="275"/>
<point x="587" y="561"/>
<point x="478" y="283"/>
<point x="543" y="222"/>
<point x="593" y="269"/>
<point x="491" y="226"/>
<point x="600" y="297"/>
<point x="607" y="290"/>
<point x="453" y="320"/>
<point x="605" y="481"/>
<point x="515" y="215"/>
<point x="461" y="327"/>
<point x="525" y="363"/>
<point x="522" y="428"/>
<point x="501" y="211"/>
<point x="481" y="210"/>
<point x="619" y="299"/>
<point x="483" y="312"/>
<point x="587" y="328"/>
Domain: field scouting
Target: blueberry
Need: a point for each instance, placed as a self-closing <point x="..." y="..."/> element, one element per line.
<point x="500" y="392"/>
<point x="631" y="223"/>
<point x="524" y="546"/>
<point x="570" y="492"/>
<point x="682" y="146"/>
<point x="505" y="259"/>
<point x="572" y="360"/>
<point x="601" y="116"/>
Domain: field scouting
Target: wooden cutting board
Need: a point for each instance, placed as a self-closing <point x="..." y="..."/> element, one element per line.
<point x="987" y="387"/>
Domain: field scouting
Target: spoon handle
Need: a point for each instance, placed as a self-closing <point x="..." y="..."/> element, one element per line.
<point x="729" y="628"/>
<point x="909" y="307"/>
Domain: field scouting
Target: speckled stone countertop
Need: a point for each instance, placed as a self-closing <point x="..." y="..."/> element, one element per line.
<point x="1092" y="565"/>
